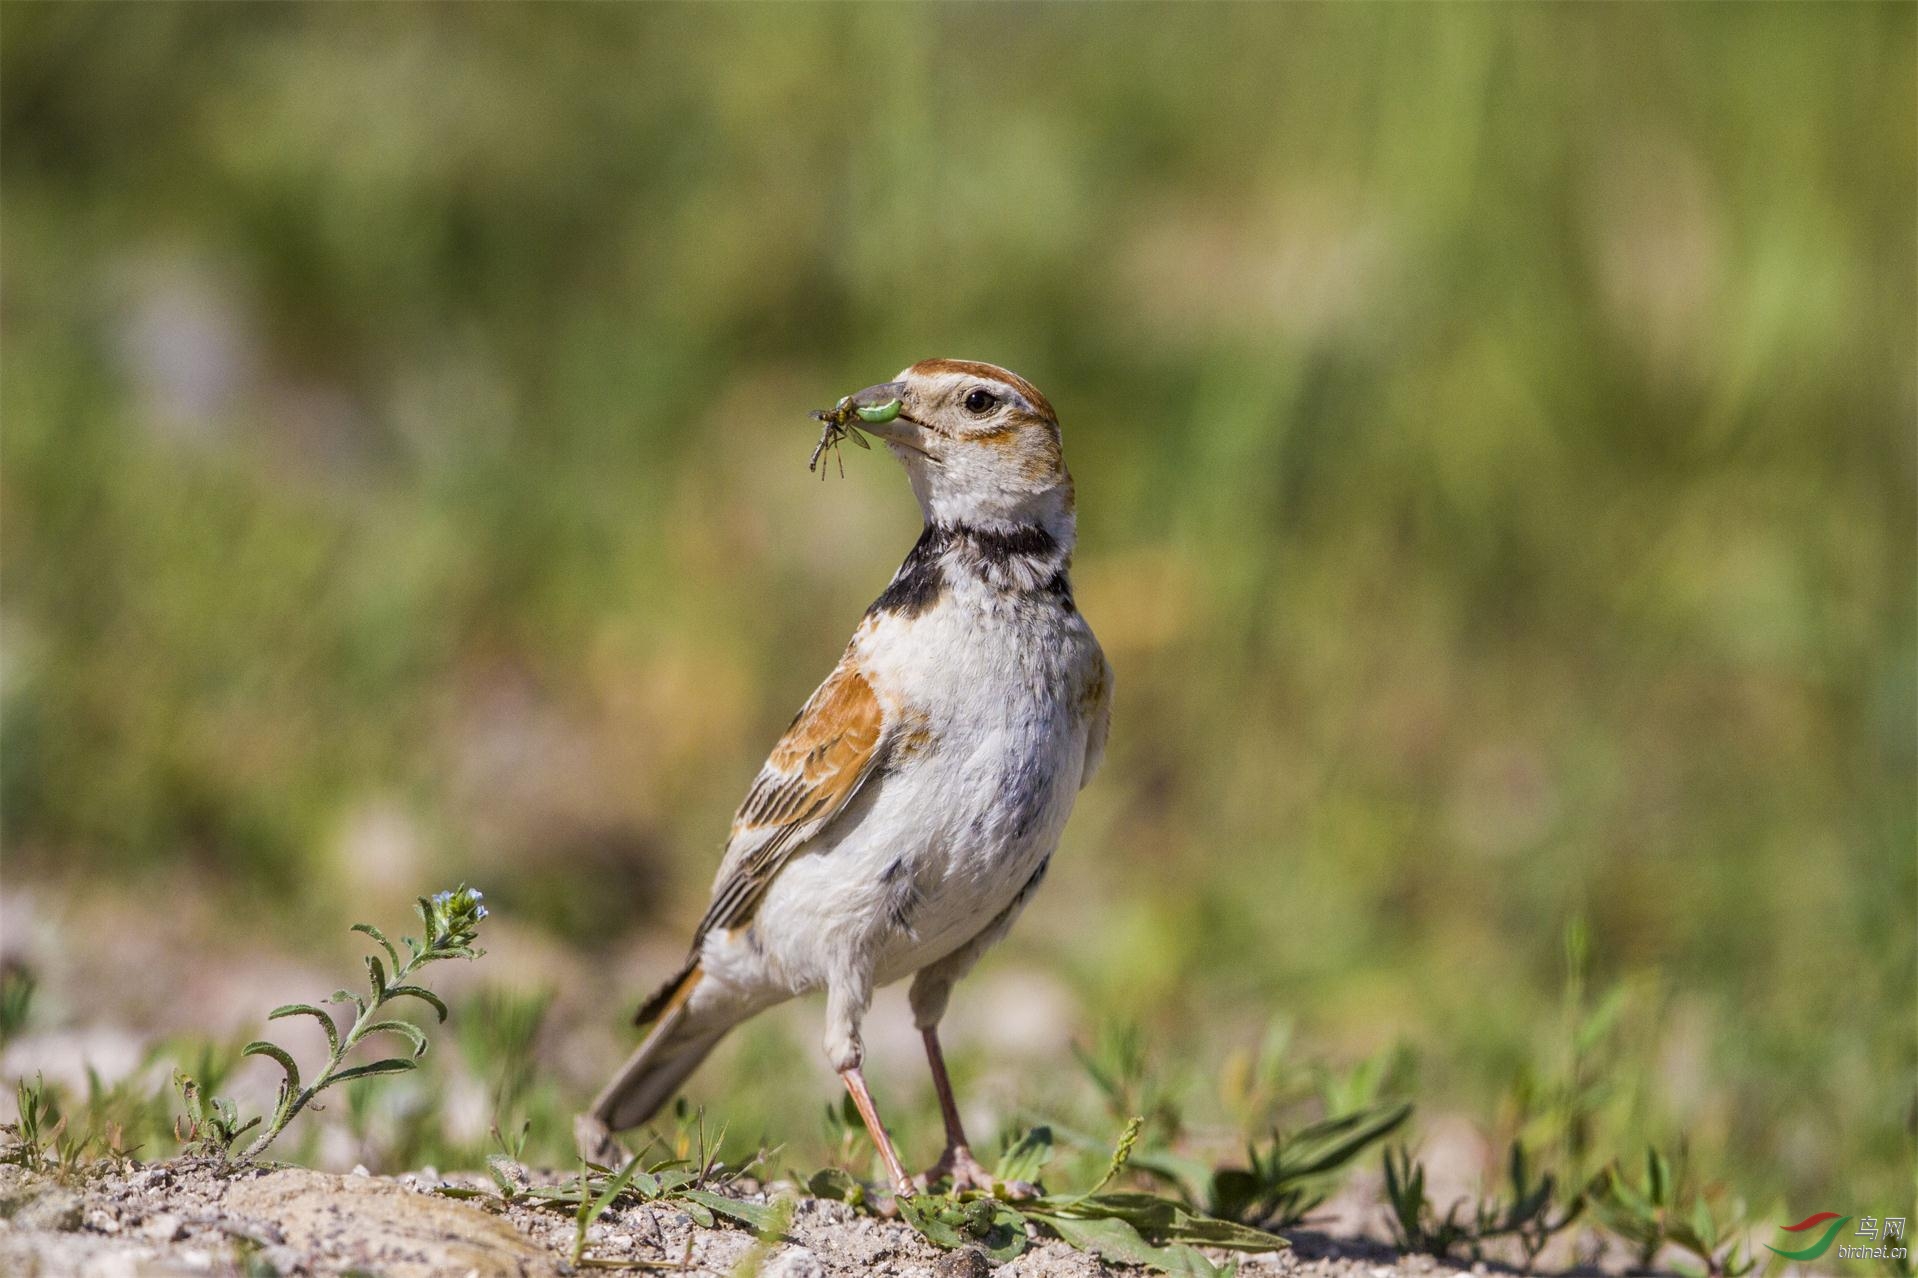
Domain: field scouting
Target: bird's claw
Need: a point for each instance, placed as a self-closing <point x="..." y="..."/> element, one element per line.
<point x="959" y="1166"/>
<point x="596" y="1142"/>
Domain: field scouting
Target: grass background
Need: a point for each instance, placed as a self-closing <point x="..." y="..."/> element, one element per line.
<point x="1493" y="428"/>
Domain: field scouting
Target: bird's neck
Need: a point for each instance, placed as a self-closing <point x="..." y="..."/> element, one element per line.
<point x="1011" y="536"/>
<point x="1024" y="557"/>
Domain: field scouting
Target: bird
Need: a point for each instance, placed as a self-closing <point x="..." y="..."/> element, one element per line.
<point x="910" y="811"/>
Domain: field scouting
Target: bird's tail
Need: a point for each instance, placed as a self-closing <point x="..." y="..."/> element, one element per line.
<point x="671" y="1051"/>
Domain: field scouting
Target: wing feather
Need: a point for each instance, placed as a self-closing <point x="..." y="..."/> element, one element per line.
<point x="827" y="753"/>
<point x="1097" y="703"/>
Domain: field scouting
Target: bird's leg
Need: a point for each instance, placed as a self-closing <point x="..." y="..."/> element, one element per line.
<point x="848" y="994"/>
<point x="856" y="1084"/>
<point x="957" y="1160"/>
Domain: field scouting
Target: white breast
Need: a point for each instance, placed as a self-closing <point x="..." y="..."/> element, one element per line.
<point x="984" y="699"/>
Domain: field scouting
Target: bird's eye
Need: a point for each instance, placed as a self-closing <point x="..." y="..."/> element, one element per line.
<point x="980" y="401"/>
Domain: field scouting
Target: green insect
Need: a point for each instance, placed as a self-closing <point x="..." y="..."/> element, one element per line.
<point x="840" y="425"/>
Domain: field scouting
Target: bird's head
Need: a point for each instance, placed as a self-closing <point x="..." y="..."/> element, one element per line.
<point x="979" y="443"/>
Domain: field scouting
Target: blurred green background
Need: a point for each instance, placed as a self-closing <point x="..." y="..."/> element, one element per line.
<point x="1494" y="436"/>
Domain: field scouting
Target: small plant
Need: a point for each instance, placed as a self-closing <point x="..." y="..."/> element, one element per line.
<point x="591" y="1208"/>
<point x="17" y="986"/>
<point x="1531" y="1217"/>
<point x="1119" y="1067"/>
<point x="1416" y="1225"/>
<point x="1663" y="1211"/>
<point x="688" y="1185"/>
<point x="42" y="1137"/>
<point x="209" y="1124"/>
<point x="449" y="922"/>
<point x="1123" y="1226"/>
<point x="1285" y="1180"/>
<point x="35" y="1133"/>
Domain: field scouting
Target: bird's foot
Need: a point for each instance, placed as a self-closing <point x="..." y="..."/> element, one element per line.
<point x="959" y="1166"/>
<point x="596" y="1142"/>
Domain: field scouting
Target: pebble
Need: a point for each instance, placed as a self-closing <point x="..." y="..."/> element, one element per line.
<point x="792" y="1262"/>
<point x="969" y="1263"/>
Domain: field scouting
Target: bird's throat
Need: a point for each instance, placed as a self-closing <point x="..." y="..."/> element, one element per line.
<point x="1004" y="558"/>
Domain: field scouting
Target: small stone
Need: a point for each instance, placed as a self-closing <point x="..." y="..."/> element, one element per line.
<point x="164" y="1227"/>
<point x="970" y="1263"/>
<point x="792" y="1262"/>
<point x="359" y="1169"/>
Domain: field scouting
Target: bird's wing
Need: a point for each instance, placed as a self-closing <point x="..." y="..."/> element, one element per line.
<point x="1098" y="700"/>
<point x="827" y="753"/>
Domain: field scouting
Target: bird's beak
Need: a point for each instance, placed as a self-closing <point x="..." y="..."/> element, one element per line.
<point x="880" y="410"/>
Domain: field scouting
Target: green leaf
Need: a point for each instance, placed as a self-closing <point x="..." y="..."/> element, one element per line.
<point x="671" y="1178"/>
<point x="1240" y="1195"/>
<point x="1619" y="1194"/>
<point x="1007" y="1239"/>
<point x="394" y="1065"/>
<point x="307" y="1009"/>
<point x="501" y="1169"/>
<point x="385" y="944"/>
<point x="419" y="992"/>
<point x="280" y="1054"/>
<point x="1158" y="1218"/>
<point x="1115" y="1240"/>
<point x="995" y="1227"/>
<point x="1702" y="1223"/>
<point x="614" y="1187"/>
<point x="348" y="996"/>
<point x="405" y="1029"/>
<point x="926" y="1213"/>
<point x="1334" y="1142"/>
<point x="188" y="1087"/>
<point x="763" y="1220"/>
<point x="1658" y="1177"/>
<point x="831" y="1182"/>
<point x="1026" y="1157"/>
<point x="1204" y="1231"/>
<point x="376" y="977"/>
<point x="1599" y="1022"/>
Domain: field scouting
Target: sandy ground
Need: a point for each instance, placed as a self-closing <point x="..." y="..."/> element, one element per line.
<point x="195" y="1216"/>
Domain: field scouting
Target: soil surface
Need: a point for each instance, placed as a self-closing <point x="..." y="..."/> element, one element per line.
<point x="197" y="1216"/>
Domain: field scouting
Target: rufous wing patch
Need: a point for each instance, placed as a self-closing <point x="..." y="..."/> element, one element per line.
<point x="815" y="769"/>
<point x="816" y="763"/>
